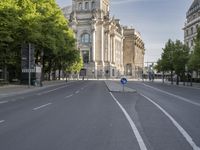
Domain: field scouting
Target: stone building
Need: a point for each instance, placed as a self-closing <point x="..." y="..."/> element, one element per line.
<point x="192" y="23"/>
<point x="100" y="39"/>
<point x="133" y="53"/>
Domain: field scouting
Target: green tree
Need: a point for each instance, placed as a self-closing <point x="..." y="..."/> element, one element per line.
<point x="180" y="59"/>
<point x="174" y="59"/>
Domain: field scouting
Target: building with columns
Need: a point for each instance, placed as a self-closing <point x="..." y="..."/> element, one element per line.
<point x="133" y="53"/>
<point x="100" y="39"/>
<point x="192" y="23"/>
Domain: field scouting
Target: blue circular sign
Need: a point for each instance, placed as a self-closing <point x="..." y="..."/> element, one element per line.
<point x="123" y="81"/>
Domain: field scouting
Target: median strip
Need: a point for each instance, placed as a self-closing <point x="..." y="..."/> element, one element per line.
<point x="42" y="106"/>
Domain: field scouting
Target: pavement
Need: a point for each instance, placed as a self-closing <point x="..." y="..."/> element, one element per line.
<point x="86" y="115"/>
<point x="10" y="89"/>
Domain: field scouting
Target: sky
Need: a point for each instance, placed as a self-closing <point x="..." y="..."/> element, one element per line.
<point x="156" y="20"/>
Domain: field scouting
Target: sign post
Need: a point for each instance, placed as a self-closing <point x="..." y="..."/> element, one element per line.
<point x="123" y="82"/>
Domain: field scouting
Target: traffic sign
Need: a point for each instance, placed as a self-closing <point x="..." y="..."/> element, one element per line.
<point x="123" y="81"/>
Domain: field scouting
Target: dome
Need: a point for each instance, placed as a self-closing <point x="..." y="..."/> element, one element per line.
<point x="194" y="7"/>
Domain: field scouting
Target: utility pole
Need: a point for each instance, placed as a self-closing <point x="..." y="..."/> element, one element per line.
<point x="29" y="65"/>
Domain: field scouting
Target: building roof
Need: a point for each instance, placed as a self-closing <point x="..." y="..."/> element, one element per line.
<point x="194" y="7"/>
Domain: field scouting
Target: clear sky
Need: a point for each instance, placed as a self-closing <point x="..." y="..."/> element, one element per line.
<point x="156" y="20"/>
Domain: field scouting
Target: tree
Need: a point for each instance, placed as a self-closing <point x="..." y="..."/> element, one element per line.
<point x="166" y="61"/>
<point x="180" y="59"/>
<point x="174" y="59"/>
<point x="9" y="14"/>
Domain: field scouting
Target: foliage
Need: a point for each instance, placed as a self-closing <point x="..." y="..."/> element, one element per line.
<point x="41" y="23"/>
<point x="174" y="58"/>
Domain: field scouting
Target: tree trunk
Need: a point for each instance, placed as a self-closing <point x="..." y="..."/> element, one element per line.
<point x="171" y="77"/>
<point x="163" y="77"/>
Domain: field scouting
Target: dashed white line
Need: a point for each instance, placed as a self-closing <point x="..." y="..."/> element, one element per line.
<point x="45" y="92"/>
<point x="69" y="96"/>
<point x="179" y="97"/>
<point x="77" y="92"/>
<point x="133" y="126"/>
<point x="177" y="125"/>
<point x="3" y="102"/>
<point x="1" y="121"/>
<point x="42" y="106"/>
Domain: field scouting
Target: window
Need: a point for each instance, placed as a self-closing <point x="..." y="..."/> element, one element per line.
<point x="80" y="6"/>
<point x="197" y="26"/>
<point x="85" y="55"/>
<point x="93" y="5"/>
<point x="192" y="43"/>
<point x="187" y="33"/>
<point x="86" y="5"/>
<point x="85" y="38"/>
<point x="192" y="30"/>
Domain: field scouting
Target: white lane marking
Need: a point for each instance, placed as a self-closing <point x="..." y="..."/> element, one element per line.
<point x="69" y="96"/>
<point x="133" y="126"/>
<point x="177" y="125"/>
<point x="3" y="102"/>
<point x="179" y="97"/>
<point x="77" y="92"/>
<point x="45" y="92"/>
<point x="42" y="106"/>
<point x="1" y="121"/>
<point x="13" y="100"/>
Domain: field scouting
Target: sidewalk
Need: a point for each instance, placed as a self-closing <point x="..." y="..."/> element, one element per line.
<point x="19" y="89"/>
<point x="181" y="84"/>
<point x="114" y="86"/>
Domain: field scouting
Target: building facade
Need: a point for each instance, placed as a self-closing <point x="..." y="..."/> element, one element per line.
<point x="133" y="53"/>
<point x="101" y="39"/>
<point x="192" y="23"/>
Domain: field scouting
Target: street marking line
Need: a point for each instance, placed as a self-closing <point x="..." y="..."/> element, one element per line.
<point x="3" y="102"/>
<point x="42" y="106"/>
<point x="69" y="96"/>
<point x="179" y="97"/>
<point x="177" y="125"/>
<point x="1" y="121"/>
<point x="77" y="92"/>
<point x="133" y="126"/>
<point x="45" y="92"/>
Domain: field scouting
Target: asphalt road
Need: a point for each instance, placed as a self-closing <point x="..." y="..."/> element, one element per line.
<point x="84" y="115"/>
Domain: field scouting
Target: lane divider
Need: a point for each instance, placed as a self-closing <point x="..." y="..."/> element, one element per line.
<point x="176" y="124"/>
<point x="173" y="95"/>
<point x="1" y="121"/>
<point x="42" y="106"/>
<point x="46" y="92"/>
<point x="77" y="92"/>
<point x="69" y="96"/>
<point x="3" y="102"/>
<point x="133" y="126"/>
